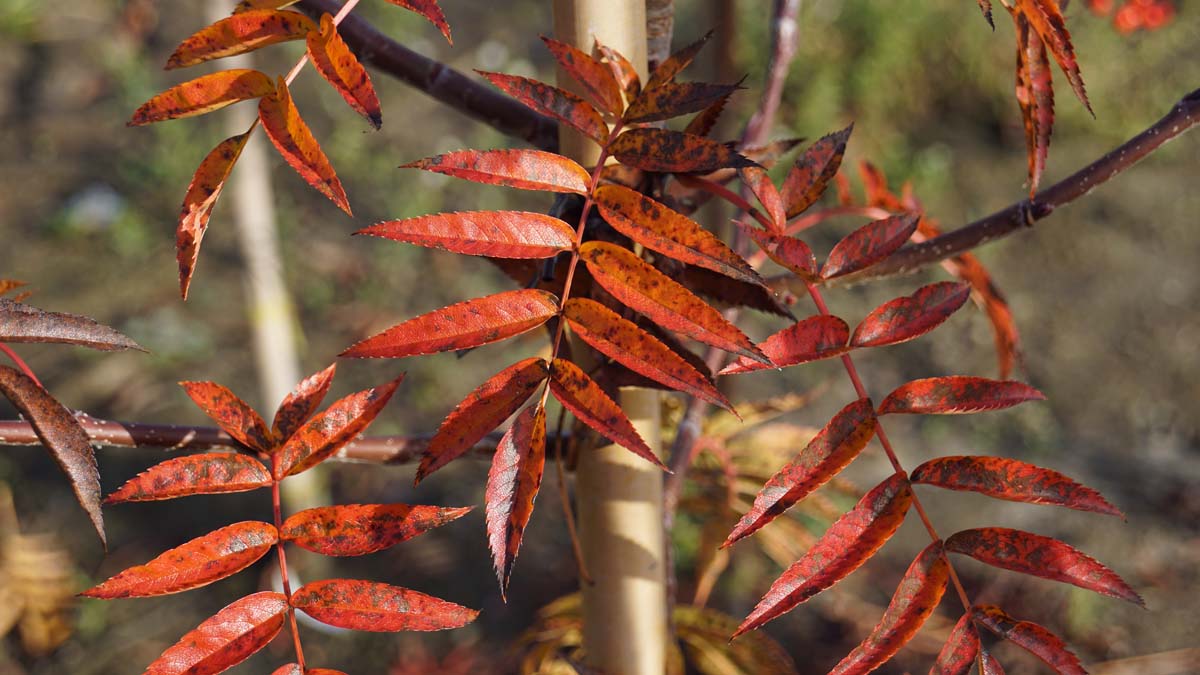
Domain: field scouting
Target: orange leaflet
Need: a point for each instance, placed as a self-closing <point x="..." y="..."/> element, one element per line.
<point x="204" y="94"/>
<point x="868" y="245"/>
<point x="197" y="563"/>
<point x="828" y="453"/>
<point x="359" y="529"/>
<point x="672" y="99"/>
<point x="461" y="326"/>
<point x="815" y="338"/>
<point x="328" y="432"/>
<point x="1010" y="479"/>
<point x="1035" y="95"/>
<point x="369" y="606"/>
<point x="63" y="437"/>
<point x="666" y="231"/>
<point x="912" y="316"/>
<point x="957" y="395"/>
<point x="914" y="600"/>
<point x="790" y="252"/>
<point x="624" y="72"/>
<point x="1031" y="637"/>
<point x="1043" y="557"/>
<point x="703" y="124"/>
<point x="482" y="411"/>
<point x="595" y="78"/>
<point x="958" y="654"/>
<point x="207" y="474"/>
<point x="809" y="177"/>
<point x="589" y="404"/>
<point x="512" y="486"/>
<point x="430" y="10"/>
<point x="646" y="290"/>
<point x="675" y="63"/>
<point x="669" y="151"/>
<point x="496" y="234"/>
<point x="844" y="547"/>
<point x="243" y="32"/>
<point x="231" y="413"/>
<point x="553" y="102"/>
<point x="301" y="403"/>
<point x="338" y="65"/>
<point x="621" y="340"/>
<point x="1046" y="18"/>
<point x="20" y="322"/>
<point x="198" y="203"/>
<point x="295" y="142"/>
<point x="759" y="182"/>
<point x="227" y="638"/>
<point x="522" y="169"/>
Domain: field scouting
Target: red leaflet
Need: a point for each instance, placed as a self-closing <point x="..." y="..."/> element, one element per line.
<point x="809" y="177"/>
<point x="673" y="234"/>
<point x="1041" y="557"/>
<point x="844" y="547"/>
<point x="669" y="151"/>
<point x="622" y="341"/>
<point x="231" y="413"/>
<point x="1010" y="479"/>
<point x="301" y="403"/>
<point x="481" y="411"/>
<point x="959" y="652"/>
<point x="295" y="142"/>
<point x="496" y="234"/>
<point x="461" y="326"/>
<point x="790" y="252"/>
<point x="328" y="432"/>
<point x="635" y="283"/>
<point x="512" y="486"/>
<point x="759" y="182"/>
<point x="359" y="529"/>
<point x="1031" y="637"/>
<point x="868" y="245"/>
<point x="985" y="6"/>
<point x="243" y="32"/>
<point x="198" y="203"/>
<point x="912" y="316"/>
<point x="594" y="78"/>
<point x="957" y="394"/>
<point x="828" y="453"/>
<point x="553" y="102"/>
<point x="919" y="593"/>
<point x="522" y="169"/>
<point x="197" y="563"/>
<point x="988" y="665"/>
<point x="340" y="68"/>
<point x="430" y="10"/>
<point x="675" y="63"/>
<point x="622" y="70"/>
<point x="589" y="404"/>
<point x="207" y="474"/>
<point x="63" y="437"/>
<point x="202" y="95"/>
<point x="671" y="99"/>
<point x="369" y="606"/>
<point x="703" y="124"/>
<point x="815" y="338"/>
<point x="226" y="639"/>
<point x="1035" y="95"/>
<point x="1046" y="18"/>
<point x="24" y="323"/>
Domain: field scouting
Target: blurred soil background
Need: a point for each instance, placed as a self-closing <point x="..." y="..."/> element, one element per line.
<point x="1104" y="293"/>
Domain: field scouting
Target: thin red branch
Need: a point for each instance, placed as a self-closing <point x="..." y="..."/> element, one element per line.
<point x="277" y="507"/>
<point x="20" y="363"/>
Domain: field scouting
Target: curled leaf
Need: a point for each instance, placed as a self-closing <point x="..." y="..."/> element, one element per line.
<point x="1045" y="16"/>
<point x="330" y="431"/>
<point x="759" y="182"/>
<point x="1013" y="480"/>
<point x="198" y="203"/>
<point x="513" y="483"/>
<point x="1035" y="95"/>
<point x="522" y="169"/>
<point x="206" y="474"/>
<point x="197" y="563"/>
<point x="231" y="413"/>
<point x="622" y="70"/>
<point x="1030" y="637"/>
<point x="243" y="32"/>
<point x="496" y="234"/>
<point x="957" y="394"/>
<point x="595" y="78"/>
<point x="911" y="316"/>
<point x="227" y="638"/>
<point x="553" y="102"/>
<point x="868" y="245"/>
<point x="667" y="151"/>
<point x="23" y="323"/>
<point x="296" y="143"/>
<point x="341" y="69"/>
<point x="824" y="457"/>
<point x="370" y="606"/>
<point x="203" y="95"/>
<point x="359" y="529"/>
<point x="809" y="177"/>
<point x="461" y="326"/>
<point x="589" y="404"/>
<point x="812" y="339"/>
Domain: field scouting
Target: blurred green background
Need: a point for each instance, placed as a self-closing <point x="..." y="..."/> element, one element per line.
<point x="1103" y="291"/>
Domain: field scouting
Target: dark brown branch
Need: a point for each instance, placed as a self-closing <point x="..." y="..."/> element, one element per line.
<point x="1024" y="214"/>
<point x="440" y="81"/>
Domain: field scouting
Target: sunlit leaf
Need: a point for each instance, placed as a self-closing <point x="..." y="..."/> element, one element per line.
<point x="204" y="94"/>
<point x="594" y="77"/>
<point x="809" y="177"/>
<point x="669" y="151"/>
<point x="227" y="638"/>
<point x="198" y="203"/>
<point x="961" y="648"/>
<point x="957" y="394"/>
<point x="523" y="169"/>
<point x="553" y="102"/>
<point x="671" y="99"/>
<point x="359" y="529"/>
<point x="1035" y="95"/>
<point x="790" y="252"/>
<point x="868" y="245"/>
<point x="759" y="182"/>
<point x="340" y="68"/>
<point x="205" y="474"/>
<point x="496" y="234"/>
<point x="909" y="317"/>
<point x="1013" y="480"/>
<point x="370" y="606"/>
<point x="197" y="563"/>
<point x="589" y="404"/>
<point x="812" y="339"/>
<point x="342" y="422"/>
<point x="1031" y="637"/>
<point x="296" y="143"/>
<point x="231" y="413"/>
<point x="302" y="402"/>
<point x="431" y="11"/>
<point x="512" y="486"/>
<point x="24" y="323"/>
<point x="243" y="32"/>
